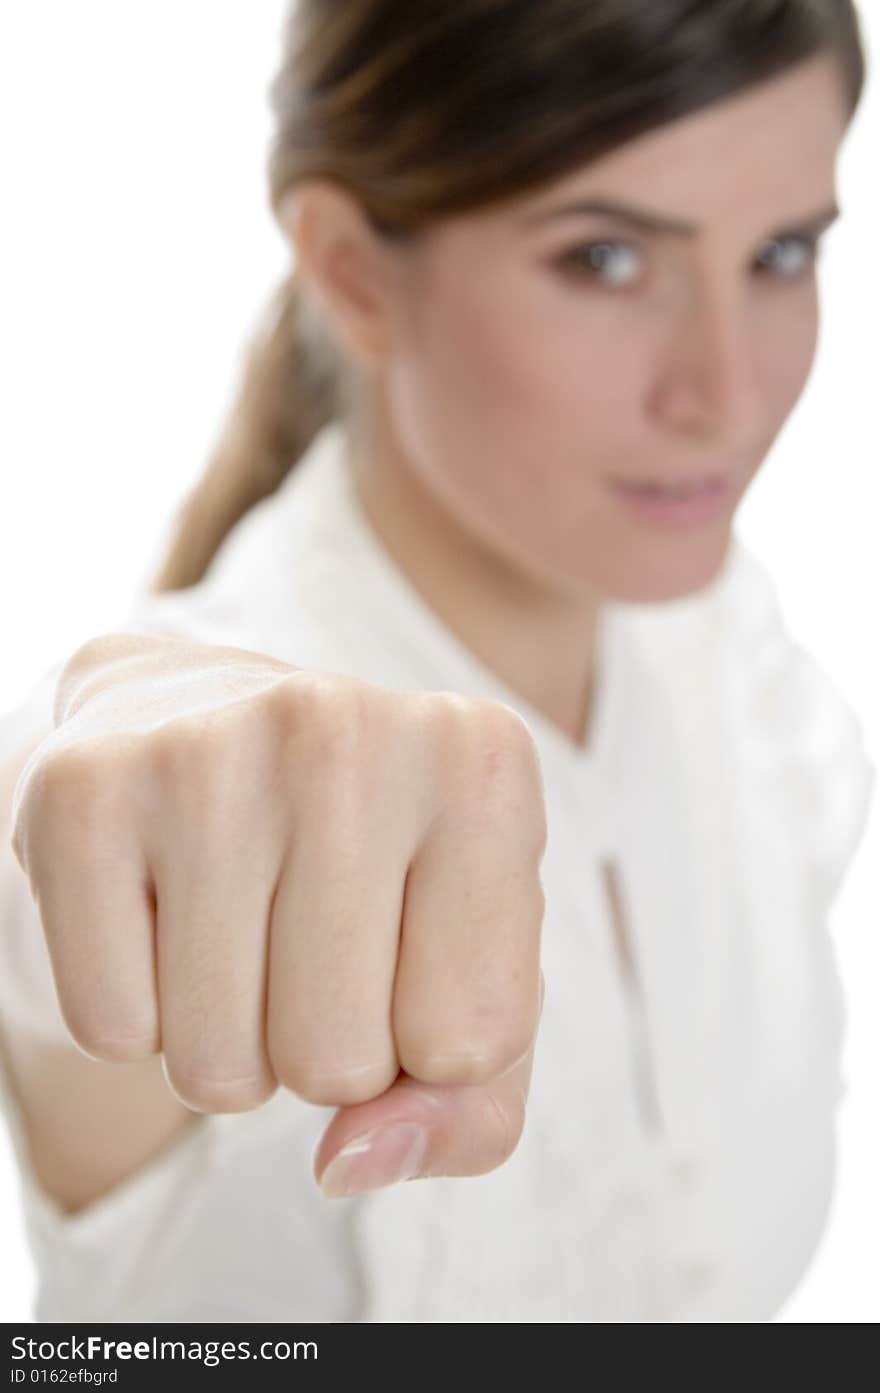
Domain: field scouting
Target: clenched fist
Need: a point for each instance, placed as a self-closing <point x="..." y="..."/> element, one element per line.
<point x="275" y="876"/>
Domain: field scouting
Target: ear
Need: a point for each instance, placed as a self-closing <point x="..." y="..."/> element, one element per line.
<point x="341" y="262"/>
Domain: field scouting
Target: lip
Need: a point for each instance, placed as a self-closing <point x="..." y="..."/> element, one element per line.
<point x="704" y="506"/>
<point x="691" y="480"/>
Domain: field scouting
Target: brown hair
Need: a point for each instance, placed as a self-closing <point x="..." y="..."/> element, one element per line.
<point x="424" y="110"/>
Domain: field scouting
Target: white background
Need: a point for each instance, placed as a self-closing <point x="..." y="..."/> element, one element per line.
<point x="137" y="249"/>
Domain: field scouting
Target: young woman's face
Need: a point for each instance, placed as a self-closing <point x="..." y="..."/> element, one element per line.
<point x="541" y="355"/>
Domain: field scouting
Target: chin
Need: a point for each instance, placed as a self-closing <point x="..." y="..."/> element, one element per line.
<point x="677" y="572"/>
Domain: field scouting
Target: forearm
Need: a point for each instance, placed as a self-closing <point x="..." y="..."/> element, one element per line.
<point x="89" y="1125"/>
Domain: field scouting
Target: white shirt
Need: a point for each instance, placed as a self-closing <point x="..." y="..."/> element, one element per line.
<point x="677" y="1157"/>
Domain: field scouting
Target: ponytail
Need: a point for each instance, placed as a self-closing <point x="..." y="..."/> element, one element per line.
<point x="290" y="389"/>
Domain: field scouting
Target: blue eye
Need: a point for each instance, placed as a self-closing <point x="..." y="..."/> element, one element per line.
<point x="617" y="264"/>
<point x="611" y="263"/>
<point x="791" y="257"/>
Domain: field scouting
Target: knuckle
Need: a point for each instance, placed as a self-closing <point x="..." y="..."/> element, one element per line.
<point x="327" y="719"/>
<point x="112" y="1042"/>
<point x="70" y="792"/>
<point x="448" y="1068"/>
<point x="480" y="1064"/>
<point x="73" y="777"/>
<point x="500" y="739"/>
<point x="214" y="1090"/>
<point x="118" y="1051"/>
<point x="181" y="751"/>
<point x="503" y="728"/>
<point x="511" y="772"/>
<point x="499" y="773"/>
<point x="329" y="1086"/>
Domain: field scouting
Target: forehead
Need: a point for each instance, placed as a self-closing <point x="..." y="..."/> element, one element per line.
<point x="773" y="148"/>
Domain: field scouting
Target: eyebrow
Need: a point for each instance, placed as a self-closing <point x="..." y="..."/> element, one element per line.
<point x="658" y="224"/>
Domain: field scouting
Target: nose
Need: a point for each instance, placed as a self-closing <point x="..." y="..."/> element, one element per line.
<point x="708" y="386"/>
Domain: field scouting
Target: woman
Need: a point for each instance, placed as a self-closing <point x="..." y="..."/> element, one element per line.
<point x="497" y="443"/>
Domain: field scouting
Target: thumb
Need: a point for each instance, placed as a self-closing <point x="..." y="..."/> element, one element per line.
<point x="417" y="1130"/>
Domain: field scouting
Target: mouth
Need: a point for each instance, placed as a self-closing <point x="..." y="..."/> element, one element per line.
<point x="684" y="504"/>
<point x="671" y="488"/>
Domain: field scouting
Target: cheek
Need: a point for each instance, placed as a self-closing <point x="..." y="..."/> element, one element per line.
<point x="789" y="341"/>
<point x="507" y="400"/>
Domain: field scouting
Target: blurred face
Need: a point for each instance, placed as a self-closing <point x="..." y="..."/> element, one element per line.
<point x="664" y="333"/>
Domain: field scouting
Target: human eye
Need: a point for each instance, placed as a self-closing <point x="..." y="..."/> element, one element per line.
<point x="789" y="258"/>
<point x="610" y="263"/>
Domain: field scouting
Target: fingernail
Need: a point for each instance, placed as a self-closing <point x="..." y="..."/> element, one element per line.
<point x="379" y="1157"/>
